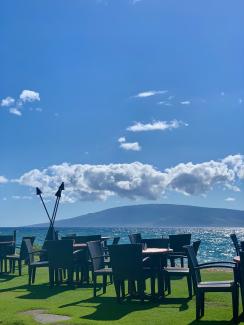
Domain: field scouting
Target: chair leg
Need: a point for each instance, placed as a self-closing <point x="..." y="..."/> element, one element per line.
<point x="29" y="274"/>
<point x="140" y="284"/>
<point x="20" y="267"/>
<point x="153" y="287"/>
<point x="94" y="280"/>
<point x="104" y="283"/>
<point x="33" y="274"/>
<point x="70" y="276"/>
<point x="117" y="290"/>
<point x="51" y="277"/>
<point x="123" y="289"/>
<point x="202" y="303"/>
<point x="198" y="306"/>
<point x="235" y="303"/>
<point x="189" y="284"/>
<point x="168" y="282"/>
<point x="182" y="262"/>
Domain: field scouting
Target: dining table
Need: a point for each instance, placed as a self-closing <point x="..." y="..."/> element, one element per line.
<point x="158" y="260"/>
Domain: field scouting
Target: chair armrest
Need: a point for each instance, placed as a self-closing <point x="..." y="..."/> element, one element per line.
<point x="209" y="266"/>
<point x="217" y="262"/>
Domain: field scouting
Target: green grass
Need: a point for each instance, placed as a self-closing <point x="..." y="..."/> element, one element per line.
<point x="16" y="296"/>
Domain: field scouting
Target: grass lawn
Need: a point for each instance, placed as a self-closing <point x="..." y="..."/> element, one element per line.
<point x="16" y="296"/>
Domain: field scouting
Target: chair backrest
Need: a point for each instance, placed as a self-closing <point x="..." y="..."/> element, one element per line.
<point x="28" y="249"/>
<point x="196" y="245"/>
<point x="176" y="242"/>
<point x="156" y="242"/>
<point x="23" y="249"/>
<point x="86" y="239"/>
<point x="115" y="240"/>
<point x="193" y="263"/>
<point x="236" y="243"/>
<point x="96" y="253"/>
<point x="60" y="253"/>
<point x="135" y="238"/>
<point x="126" y="261"/>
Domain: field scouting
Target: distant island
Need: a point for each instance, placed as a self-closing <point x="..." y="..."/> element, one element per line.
<point x="156" y="215"/>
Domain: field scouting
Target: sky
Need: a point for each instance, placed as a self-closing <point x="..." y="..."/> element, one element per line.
<point x="126" y="101"/>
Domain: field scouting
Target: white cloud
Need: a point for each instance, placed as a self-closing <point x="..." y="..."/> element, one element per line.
<point x="29" y="96"/>
<point x="24" y="197"/>
<point x="230" y="199"/>
<point x="134" y="146"/>
<point x="185" y="102"/>
<point x="156" y="126"/>
<point x="8" y="101"/>
<point x="3" y="180"/>
<point x="135" y="180"/>
<point x="15" y="111"/>
<point x="150" y="93"/>
<point x="121" y="139"/>
<point x="165" y="103"/>
<point x="222" y="93"/>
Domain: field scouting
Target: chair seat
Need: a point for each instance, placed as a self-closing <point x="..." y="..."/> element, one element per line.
<point x="216" y="285"/>
<point x="13" y="257"/>
<point x="177" y="270"/>
<point x="40" y="264"/>
<point x="106" y="270"/>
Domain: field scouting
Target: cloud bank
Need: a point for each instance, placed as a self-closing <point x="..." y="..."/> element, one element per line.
<point x="135" y="180"/>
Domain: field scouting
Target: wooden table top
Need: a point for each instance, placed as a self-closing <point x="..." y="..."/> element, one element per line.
<point x="236" y="259"/>
<point x="154" y="251"/>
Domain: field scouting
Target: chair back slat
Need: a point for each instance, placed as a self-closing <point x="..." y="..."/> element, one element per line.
<point x="116" y="240"/>
<point x="86" y="239"/>
<point x="28" y="249"/>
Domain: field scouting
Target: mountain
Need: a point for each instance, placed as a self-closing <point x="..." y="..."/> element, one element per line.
<point x="156" y="215"/>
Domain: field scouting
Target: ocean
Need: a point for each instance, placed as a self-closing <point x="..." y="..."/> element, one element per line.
<point x="215" y="242"/>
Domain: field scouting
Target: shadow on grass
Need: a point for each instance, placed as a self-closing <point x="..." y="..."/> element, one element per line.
<point x="108" y="309"/>
<point x="42" y="291"/>
<point x="4" y="277"/>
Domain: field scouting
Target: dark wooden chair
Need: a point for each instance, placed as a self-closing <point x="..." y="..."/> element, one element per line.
<point x="7" y="246"/>
<point x="127" y="264"/>
<point x="177" y="242"/>
<point x="31" y="261"/>
<point x="60" y="257"/>
<point x="235" y="243"/>
<point x="179" y="272"/>
<point x="201" y="287"/>
<point x="98" y="267"/>
<point x="18" y="258"/>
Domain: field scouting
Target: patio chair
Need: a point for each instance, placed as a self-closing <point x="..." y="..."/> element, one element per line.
<point x="127" y="264"/>
<point x="241" y="279"/>
<point x="61" y="257"/>
<point x="212" y="286"/>
<point x="179" y="272"/>
<point x="176" y="242"/>
<point x="236" y="243"/>
<point x="135" y="238"/>
<point x="31" y="262"/>
<point x="22" y="256"/>
<point x="7" y="246"/>
<point x="97" y="264"/>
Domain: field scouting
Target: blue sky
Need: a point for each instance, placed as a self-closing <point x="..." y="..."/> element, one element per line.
<point x="143" y="100"/>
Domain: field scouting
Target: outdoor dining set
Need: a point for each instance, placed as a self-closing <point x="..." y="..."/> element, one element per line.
<point x="89" y="259"/>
